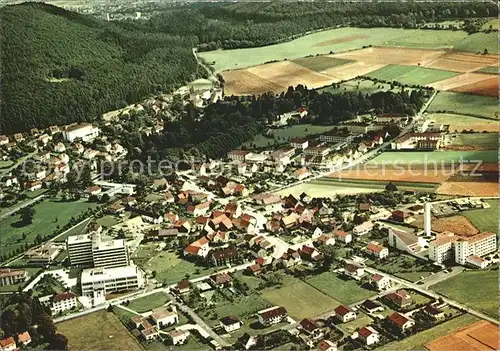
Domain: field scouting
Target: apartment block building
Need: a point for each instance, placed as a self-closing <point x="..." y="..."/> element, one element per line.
<point x="10" y="276"/>
<point x="478" y="245"/>
<point x="90" y="250"/>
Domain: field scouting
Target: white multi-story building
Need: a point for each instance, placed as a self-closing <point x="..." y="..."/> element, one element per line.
<point x="110" y="254"/>
<point x="84" y="131"/>
<point x="60" y="302"/>
<point x="10" y="276"/>
<point x="89" y="249"/>
<point x="79" y="249"/>
<point x="441" y="249"/>
<point x="478" y="245"/>
<point x="96" y="283"/>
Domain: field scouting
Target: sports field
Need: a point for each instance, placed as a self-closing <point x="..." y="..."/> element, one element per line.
<point x="440" y="157"/>
<point x="346" y="291"/>
<point x="477" y="289"/>
<point x="336" y="40"/>
<point x="98" y="331"/>
<point x="458" y="123"/>
<point x="411" y="75"/>
<point x="300" y="299"/>
<point x="486" y="220"/>
<point x="49" y="215"/>
<point x="464" y="104"/>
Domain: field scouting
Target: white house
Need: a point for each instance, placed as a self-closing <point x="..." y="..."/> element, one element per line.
<point x="164" y="316"/>
<point x="380" y="282"/>
<point x="368" y="335"/>
<point x="8" y="344"/>
<point x="363" y="228"/>
<point x="84" y="131"/>
<point x="230" y="323"/>
<point x="178" y="337"/>
<point x="354" y="271"/>
<point x="375" y="249"/>
<point x="273" y="315"/>
<point x="342" y="236"/>
<point x="63" y="302"/>
<point x="345" y="314"/>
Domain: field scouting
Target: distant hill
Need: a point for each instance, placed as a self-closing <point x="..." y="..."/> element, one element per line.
<point x="59" y="66"/>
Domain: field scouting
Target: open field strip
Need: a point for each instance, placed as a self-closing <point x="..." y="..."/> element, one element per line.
<point x="470" y="188"/>
<point x="98" y="331"/>
<point x="360" y="85"/>
<point x="352" y="70"/>
<point x="488" y="87"/>
<point x="337" y="40"/>
<point x="459" y="123"/>
<point x="465" y="104"/>
<point x="411" y="75"/>
<point x="486" y="220"/>
<point x="477" y="42"/>
<point x="391" y="55"/>
<point x="480" y="335"/>
<point x="322" y="189"/>
<point x="320" y="63"/>
<point x="490" y="69"/>
<point x="460" y="80"/>
<point x="399" y="158"/>
<point x="462" y="62"/>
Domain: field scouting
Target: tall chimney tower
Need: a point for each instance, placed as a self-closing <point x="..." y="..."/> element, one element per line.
<point x="427" y="218"/>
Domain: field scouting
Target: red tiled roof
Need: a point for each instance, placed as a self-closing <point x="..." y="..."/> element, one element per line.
<point x="7" y="342"/>
<point x="373" y="247"/>
<point x="278" y="311"/>
<point x="398" y="319"/>
<point x="308" y="325"/>
<point x="342" y="310"/>
<point x="64" y="296"/>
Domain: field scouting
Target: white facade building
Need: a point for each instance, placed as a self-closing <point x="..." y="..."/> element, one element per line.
<point x="79" y="249"/>
<point x="10" y="276"/>
<point x="478" y="245"/>
<point x="84" y="131"/>
<point x="110" y="254"/>
<point x="96" y="283"/>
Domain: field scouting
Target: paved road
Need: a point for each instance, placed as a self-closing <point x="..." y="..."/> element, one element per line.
<point x="17" y="207"/>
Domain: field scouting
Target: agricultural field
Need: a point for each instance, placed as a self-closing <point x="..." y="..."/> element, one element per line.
<point x="49" y="215"/>
<point x="476" y="141"/>
<point x="468" y="188"/>
<point x="418" y="340"/>
<point x="486" y="220"/>
<point x="147" y="303"/>
<point x="489" y="69"/>
<point x="478" y="42"/>
<point x="481" y="333"/>
<point x="459" y="123"/>
<point x="440" y="157"/>
<point x="283" y="135"/>
<point x="462" y="62"/>
<point x="459" y="225"/>
<point x="329" y="189"/>
<point x="488" y="87"/>
<point x="346" y="291"/>
<point x="411" y="75"/>
<point x="320" y="63"/>
<point x="336" y="40"/>
<point x="390" y="173"/>
<point x="477" y="289"/>
<point x="107" y="332"/>
<point x="300" y="299"/>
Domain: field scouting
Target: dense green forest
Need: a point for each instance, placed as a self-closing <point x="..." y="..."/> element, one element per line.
<point x="59" y="67"/>
<point x="245" y="24"/>
<point x="227" y="124"/>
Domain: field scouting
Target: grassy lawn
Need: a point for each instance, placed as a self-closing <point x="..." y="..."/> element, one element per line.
<point x="489" y="69"/>
<point x="171" y="269"/>
<point x="242" y="306"/>
<point x="326" y="41"/>
<point x="411" y="75"/>
<point x="147" y="303"/>
<point x="486" y="220"/>
<point x="466" y="104"/>
<point x="108" y="221"/>
<point x="283" y="135"/>
<point x="361" y="321"/>
<point x="105" y="329"/>
<point x="403" y="266"/>
<point x="49" y="215"/>
<point x="251" y="281"/>
<point x="418" y="340"/>
<point x="477" y="289"/>
<point x="477" y="42"/>
<point x="320" y="63"/>
<point x="488" y="141"/>
<point x="300" y="299"/>
<point x="346" y="291"/>
<point x="74" y="231"/>
<point x="402" y="157"/>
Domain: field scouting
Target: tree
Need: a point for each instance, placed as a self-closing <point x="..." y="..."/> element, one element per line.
<point x="46" y="327"/>
<point x="58" y="342"/>
<point x="391" y="187"/>
<point x="27" y="215"/>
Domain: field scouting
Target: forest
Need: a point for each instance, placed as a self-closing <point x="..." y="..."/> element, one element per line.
<point x="227" y="124"/>
<point x="60" y="67"/>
